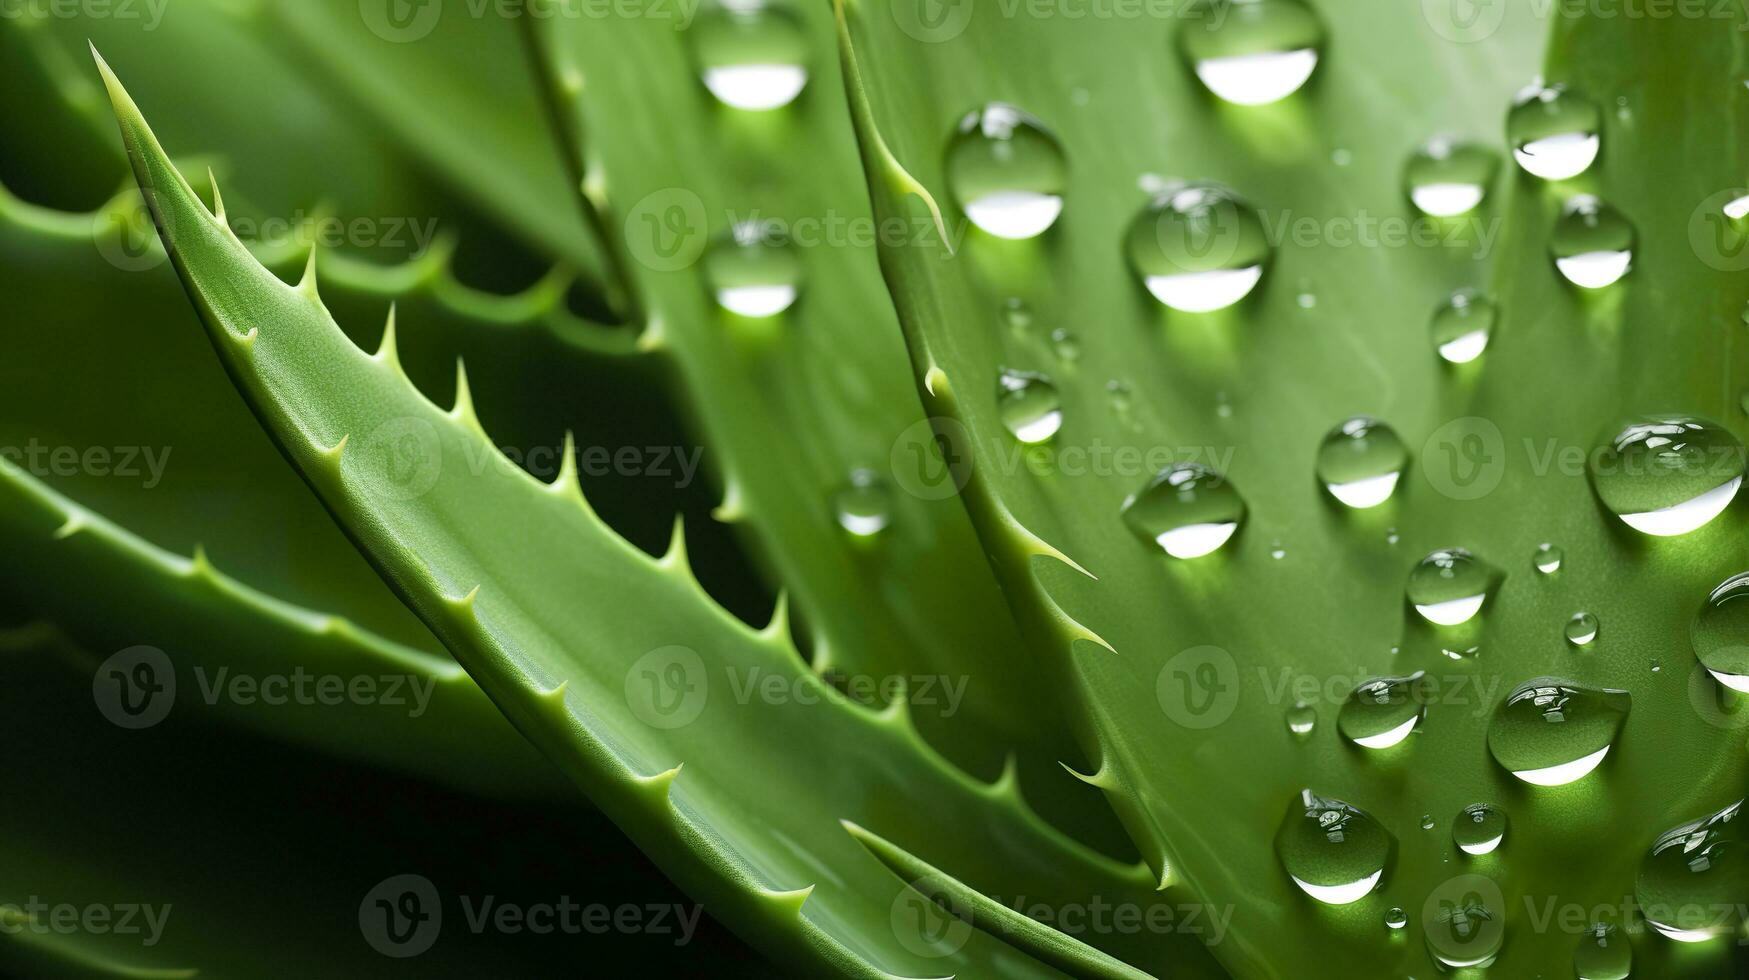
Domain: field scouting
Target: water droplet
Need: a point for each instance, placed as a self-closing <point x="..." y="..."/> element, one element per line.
<point x="1396" y="918"/>
<point x="1198" y="247"/>
<point x="1252" y="52"/>
<point x="1187" y="508"/>
<point x="863" y="505"/>
<point x="1066" y="345"/>
<point x="1017" y="314"/>
<point x="1548" y="558"/>
<point x="1427" y="821"/>
<point x="1581" y="629"/>
<point x="1119" y="394"/>
<point x="1277" y="552"/>
<point x="1550" y="731"/>
<point x="1719" y="633"/>
<point x="1464" y="922"/>
<point x="753" y="270"/>
<point x="1334" y="851"/>
<point x="1381" y="712"/>
<point x="1691" y="886"/>
<point x="1462" y="325"/>
<point x="1461" y="653"/>
<point x="1449" y="586"/>
<point x="1306" y="301"/>
<point x="1657" y="665"/>
<point x="1391" y="536"/>
<point x="1030" y="406"/>
<point x="1592" y="243"/>
<point x="1341" y="157"/>
<point x="752" y="54"/>
<point x="1446" y="178"/>
<point x="1479" y="828"/>
<point x="1360" y="461"/>
<point x="1301" y="718"/>
<point x="1668" y="474"/>
<point x="1007" y="172"/>
<point x="1603" y="953"/>
<point x="1553" y="132"/>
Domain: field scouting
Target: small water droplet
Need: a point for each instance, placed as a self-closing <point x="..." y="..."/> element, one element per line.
<point x="1391" y="536"/>
<point x="1548" y="558"/>
<point x="1396" y="918"/>
<point x="1252" y="52"/>
<point x="752" y="54"/>
<point x="864" y="506"/>
<point x="1119" y="394"/>
<point x="1018" y="315"/>
<point x="1030" y="406"/>
<point x="1691" y="885"/>
<point x="1719" y="633"/>
<point x="1360" y="461"/>
<point x="1603" y="953"/>
<point x="1553" y="132"/>
<point x="1668" y="474"/>
<point x="1381" y="712"/>
<point x="1198" y="247"/>
<point x="1445" y="179"/>
<point x="1277" y="552"/>
<point x="1461" y="653"/>
<point x="1427" y="821"/>
<point x="1479" y="828"/>
<point x="753" y="270"/>
<point x="1462" y="326"/>
<point x="1301" y="718"/>
<point x="1592" y="244"/>
<point x="1306" y="301"/>
<point x="1449" y="586"/>
<point x="1581" y="629"/>
<point x="1065" y="344"/>
<point x="1550" y="731"/>
<point x="1007" y="171"/>
<point x="1335" y="851"/>
<point x="1187" y="508"/>
<point x="1341" y="157"/>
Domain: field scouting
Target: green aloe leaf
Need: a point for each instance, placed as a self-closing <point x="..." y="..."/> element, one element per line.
<point x="1188" y="716"/>
<point x="545" y="606"/>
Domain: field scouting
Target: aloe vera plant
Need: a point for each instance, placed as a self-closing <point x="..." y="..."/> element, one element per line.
<point x="1210" y="489"/>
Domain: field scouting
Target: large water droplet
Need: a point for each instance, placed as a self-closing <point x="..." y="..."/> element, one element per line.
<point x="1198" y="247"/>
<point x="1381" y="712"/>
<point x="1668" y="474"/>
<point x="1592" y="243"/>
<point x="1187" y="508"/>
<point x="1334" y="851"/>
<point x="1462" y="325"/>
<point x="1550" y="731"/>
<point x="753" y="270"/>
<point x="864" y="505"/>
<point x="1603" y="953"/>
<point x="1479" y="828"/>
<point x="1252" y="52"/>
<point x="1006" y="171"/>
<point x="1581" y="629"/>
<point x="1360" y="461"/>
<point x="1548" y="558"/>
<point x="1029" y="405"/>
<point x="1446" y="178"/>
<point x="1553" y="132"/>
<point x="752" y="54"/>
<point x="1691" y="886"/>
<point x="1719" y="633"/>
<point x="1449" y="586"/>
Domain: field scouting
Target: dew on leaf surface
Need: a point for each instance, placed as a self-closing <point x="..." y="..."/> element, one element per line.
<point x="752" y="54"/>
<point x="1030" y="407"/>
<point x="1445" y="178"/>
<point x="1691" y="885"/>
<point x="1550" y="731"/>
<point x="1251" y="52"/>
<point x="1198" y="247"/>
<point x="1581" y="629"/>
<point x="864" y="504"/>
<point x="1449" y="586"/>
<point x="1334" y="851"/>
<point x="1187" y="509"/>
<point x="1007" y="171"/>
<point x="1553" y="132"/>
<point x="753" y="270"/>
<point x="1592" y="243"/>
<point x="1462" y="326"/>
<point x="1381" y="712"/>
<point x="1479" y="828"/>
<point x="1719" y="633"/>
<point x="1360" y="461"/>
<point x="1603" y="953"/>
<point x="1667" y="475"/>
